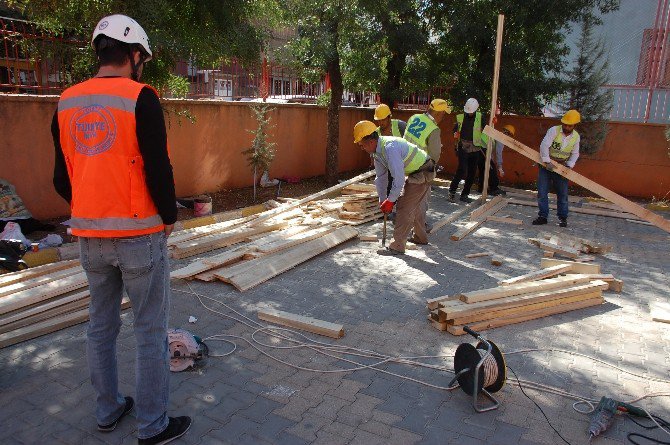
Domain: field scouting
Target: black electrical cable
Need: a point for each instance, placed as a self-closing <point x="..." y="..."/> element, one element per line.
<point x="518" y="382"/>
<point x="664" y="423"/>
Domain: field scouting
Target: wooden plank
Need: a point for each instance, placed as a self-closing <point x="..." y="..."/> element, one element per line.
<point x="434" y="303"/>
<point x="453" y="217"/>
<point x="497" y="261"/>
<point x="556" y="248"/>
<point x="45" y="306"/>
<point x="484" y="208"/>
<point x="477" y="255"/>
<point x="48" y="326"/>
<point x="38" y="281"/>
<point x="615" y="284"/>
<point x="540" y="313"/>
<point x="533" y="194"/>
<point x="44" y="292"/>
<point x="464" y="231"/>
<point x="504" y="219"/>
<point x="440" y="326"/>
<point x="213" y="242"/>
<point x="660" y="312"/>
<point x="199" y="232"/>
<point x="522" y="288"/>
<point x="312" y="197"/>
<point x="294" y="240"/>
<point x="494" y="103"/>
<point x="301" y="322"/>
<point x="583" y="181"/>
<point x="573" y="209"/>
<point x="576" y="267"/>
<point x="455" y="309"/>
<point x="64" y="308"/>
<point x="537" y="275"/>
<point x="368" y="238"/>
<point x="496" y="314"/>
<point x="15" y="277"/>
<point x="200" y="266"/>
<point x="272" y="265"/>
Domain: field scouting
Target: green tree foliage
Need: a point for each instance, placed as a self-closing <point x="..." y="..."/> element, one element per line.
<point x="204" y="31"/>
<point x="462" y="47"/>
<point x="590" y="73"/>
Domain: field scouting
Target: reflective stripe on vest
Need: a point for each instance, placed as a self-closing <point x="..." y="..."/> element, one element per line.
<point x="556" y="149"/>
<point x="478" y="138"/>
<point x="395" y="128"/>
<point x="110" y="197"/>
<point x="412" y="161"/>
<point x="419" y="127"/>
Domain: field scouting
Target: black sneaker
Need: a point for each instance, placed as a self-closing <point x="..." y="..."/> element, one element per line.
<point x="540" y="220"/>
<point x="452" y="197"/>
<point x="563" y="222"/>
<point x="498" y="192"/>
<point x="176" y="428"/>
<point x="130" y="403"/>
<point x="466" y="199"/>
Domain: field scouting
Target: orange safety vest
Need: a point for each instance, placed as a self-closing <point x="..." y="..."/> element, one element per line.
<point x="98" y="136"/>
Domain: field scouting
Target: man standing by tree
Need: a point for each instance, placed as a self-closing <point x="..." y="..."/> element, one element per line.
<point x="471" y="140"/>
<point x="112" y="166"/>
<point x="560" y="144"/>
<point x="388" y="126"/>
<point x="401" y="159"/>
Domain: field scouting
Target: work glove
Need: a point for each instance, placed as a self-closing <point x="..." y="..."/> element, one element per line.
<point x="386" y="206"/>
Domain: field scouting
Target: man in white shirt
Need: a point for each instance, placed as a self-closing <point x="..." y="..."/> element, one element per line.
<point x="560" y="145"/>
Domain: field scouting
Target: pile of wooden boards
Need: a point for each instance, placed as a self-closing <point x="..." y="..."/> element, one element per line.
<point x="560" y="286"/>
<point x="569" y="246"/>
<point x="43" y="299"/>
<point x="261" y="247"/>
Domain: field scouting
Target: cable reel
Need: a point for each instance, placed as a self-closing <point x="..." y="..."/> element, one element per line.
<point x="479" y="369"/>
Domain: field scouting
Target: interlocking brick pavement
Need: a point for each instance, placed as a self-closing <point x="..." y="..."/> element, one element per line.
<point x="250" y="398"/>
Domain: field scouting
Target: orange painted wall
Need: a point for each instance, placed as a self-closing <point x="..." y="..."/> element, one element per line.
<point x="207" y="155"/>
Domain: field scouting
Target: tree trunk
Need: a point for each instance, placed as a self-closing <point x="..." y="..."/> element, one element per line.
<point x="333" y="134"/>
<point x="391" y="88"/>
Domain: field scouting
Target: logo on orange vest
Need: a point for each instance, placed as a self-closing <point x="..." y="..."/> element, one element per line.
<point x="93" y="130"/>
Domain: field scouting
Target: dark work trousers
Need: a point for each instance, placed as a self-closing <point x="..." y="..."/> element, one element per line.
<point x="467" y="166"/>
<point x="494" y="182"/>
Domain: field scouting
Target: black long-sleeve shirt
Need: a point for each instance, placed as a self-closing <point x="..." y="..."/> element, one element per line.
<point x="152" y="141"/>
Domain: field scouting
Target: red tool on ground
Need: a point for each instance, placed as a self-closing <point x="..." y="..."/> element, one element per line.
<point x="603" y="416"/>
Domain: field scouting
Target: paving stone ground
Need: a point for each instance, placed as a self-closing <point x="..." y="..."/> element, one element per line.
<point x="248" y="397"/>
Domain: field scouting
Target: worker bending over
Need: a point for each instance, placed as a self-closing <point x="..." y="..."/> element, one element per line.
<point x="402" y="160"/>
<point x="560" y="145"/>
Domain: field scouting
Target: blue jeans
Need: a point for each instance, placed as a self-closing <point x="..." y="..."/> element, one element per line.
<point x="138" y="265"/>
<point x="545" y="179"/>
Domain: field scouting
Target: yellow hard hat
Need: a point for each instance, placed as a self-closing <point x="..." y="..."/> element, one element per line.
<point x="362" y="129"/>
<point x="382" y="112"/>
<point x="510" y="128"/>
<point x="440" y="105"/>
<point x="572" y="117"/>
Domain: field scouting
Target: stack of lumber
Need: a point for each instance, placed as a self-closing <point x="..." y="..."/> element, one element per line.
<point x="43" y="299"/>
<point x="264" y="245"/>
<point x="534" y="295"/>
<point x="569" y="246"/>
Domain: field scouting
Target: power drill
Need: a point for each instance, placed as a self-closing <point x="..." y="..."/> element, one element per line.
<point x="603" y="416"/>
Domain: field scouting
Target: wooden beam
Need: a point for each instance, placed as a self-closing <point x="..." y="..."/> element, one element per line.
<point x="41" y="293"/>
<point x="540" y="313"/>
<point x="312" y="197"/>
<point x="15" y="277"/>
<point x="479" y="211"/>
<point x="455" y="309"/>
<point x="473" y="225"/>
<point x="583" y="210"/>
<point x="477" y="255"/>
<point x="537" y="275"/>
<point x="12" y="317"/>
<point x="556" y="248"/>
<point x="575" y="266"/>
<point x="301" y="322"/>
<point x="38" y="281"/>
<point x="494" y="103"/>
<point x="503" y="219"/>
<point x="453" y="217"/>
<point x="585" y="182"/>
<point x="522" y="288"/>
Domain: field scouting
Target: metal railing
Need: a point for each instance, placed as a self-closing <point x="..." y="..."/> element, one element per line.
<point x="32" y="61"/>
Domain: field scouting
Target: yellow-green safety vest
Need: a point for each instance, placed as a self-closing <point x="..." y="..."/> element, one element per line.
<point x="419" y="127"/>
<point x="395" y="129"/>
<point x="478" y="138"/>
<point x="556" y="149"/>
<point x="414" y="159"/>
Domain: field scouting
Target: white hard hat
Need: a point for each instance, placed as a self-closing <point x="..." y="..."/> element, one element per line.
<point x="471" y="105"/>
<point x="124" y="29"/>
